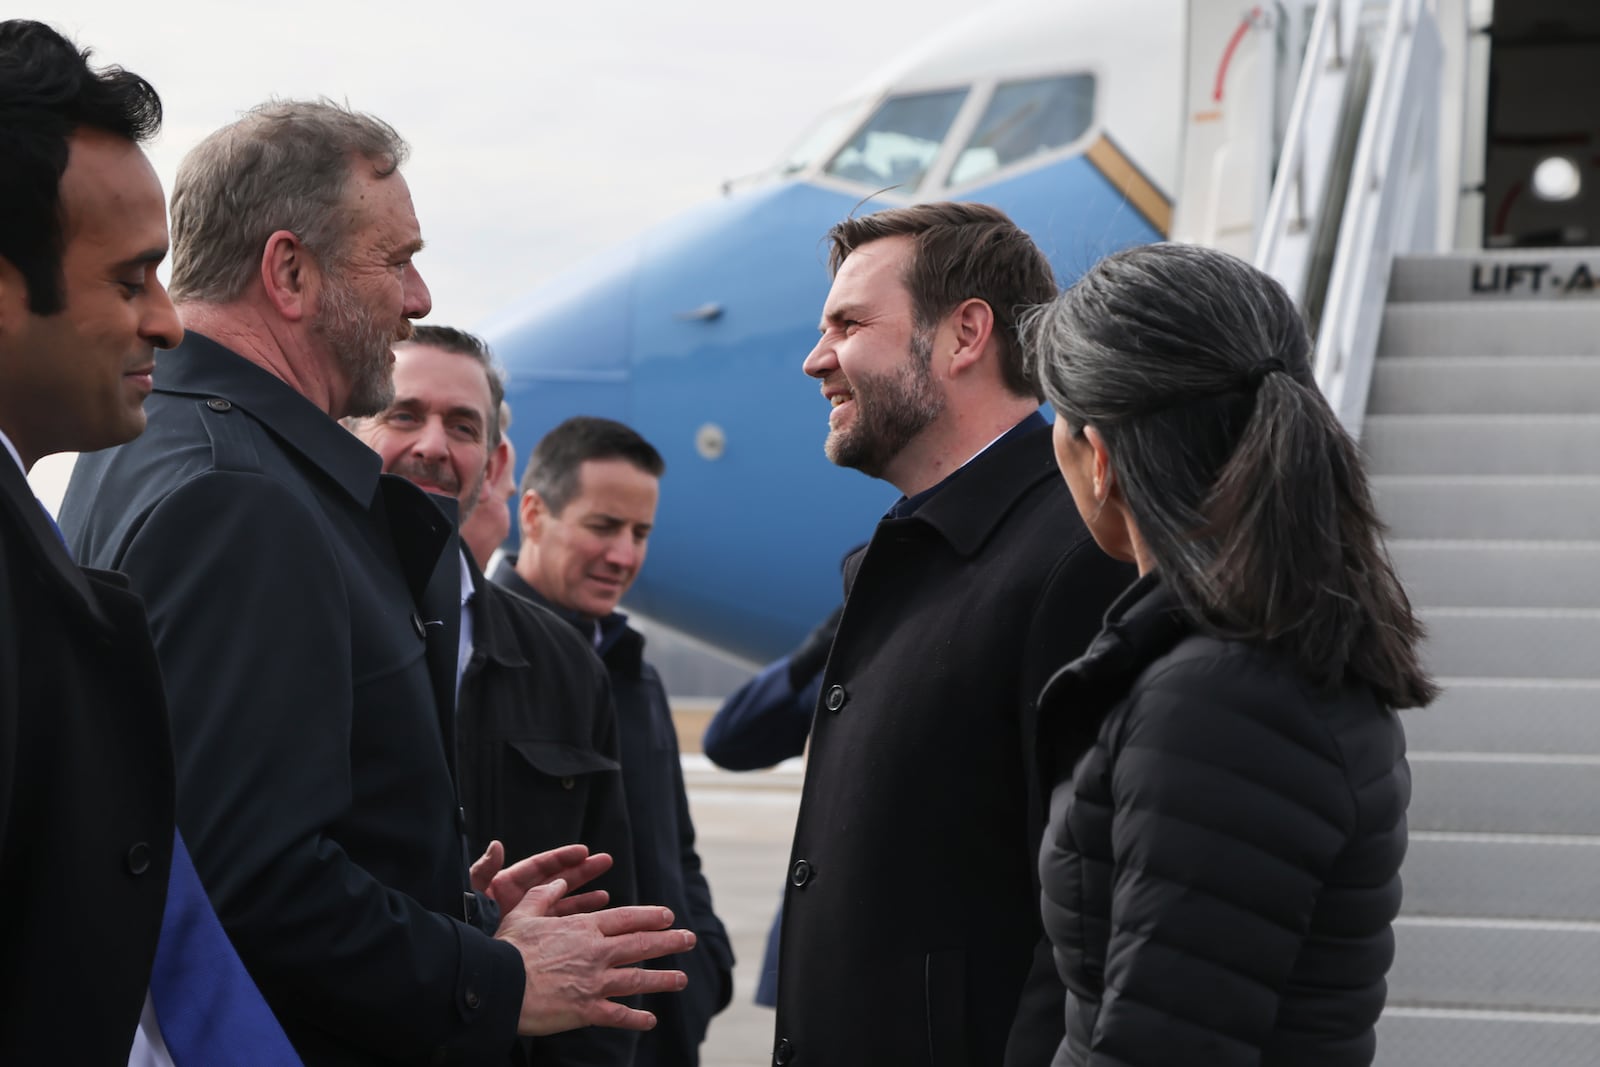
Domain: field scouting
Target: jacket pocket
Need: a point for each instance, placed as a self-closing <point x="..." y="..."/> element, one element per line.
<point x="559" y="760"/>
<point x="945" y="987"/>
<point x="544" y="791"/>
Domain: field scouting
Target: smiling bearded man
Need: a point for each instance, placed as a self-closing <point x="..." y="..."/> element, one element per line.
<point x="911" y="931"/>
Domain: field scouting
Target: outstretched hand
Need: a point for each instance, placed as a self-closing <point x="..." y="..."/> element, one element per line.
<point x="571" y="863"/>
<point x="576" y="962"/>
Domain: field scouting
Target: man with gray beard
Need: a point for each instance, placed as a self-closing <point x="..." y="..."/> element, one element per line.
<point x="911" y="932"/>
<point x="305" y="609"/>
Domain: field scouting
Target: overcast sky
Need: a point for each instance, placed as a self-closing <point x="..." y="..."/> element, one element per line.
<point x="540" y="133"/>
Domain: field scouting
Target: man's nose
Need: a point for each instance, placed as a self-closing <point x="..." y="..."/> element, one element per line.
<point x="822" y="361"/>
<point x="622" y="552"/>
<point x="160" y="325"/>
<point x="431" y="442"/>
<point x="418" y="301"/>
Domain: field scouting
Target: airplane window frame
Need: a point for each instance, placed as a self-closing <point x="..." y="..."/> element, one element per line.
<point x="935" y="164"/>
<point x="846" y="117"/>
<point x="947" y="181"/>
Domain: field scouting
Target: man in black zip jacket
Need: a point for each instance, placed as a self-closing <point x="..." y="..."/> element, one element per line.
<point x="587" y="508"/>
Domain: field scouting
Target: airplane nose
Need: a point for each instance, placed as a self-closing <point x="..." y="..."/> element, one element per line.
<point x="565" y="348"/>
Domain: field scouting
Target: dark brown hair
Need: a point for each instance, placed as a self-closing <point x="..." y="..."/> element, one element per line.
<point x="553" y="467"/>
<point x="962" y="251"/>
<point x="462" y="343"/>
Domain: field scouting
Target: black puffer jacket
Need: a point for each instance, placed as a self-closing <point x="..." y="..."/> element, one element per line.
<point x="1221" y="869"/>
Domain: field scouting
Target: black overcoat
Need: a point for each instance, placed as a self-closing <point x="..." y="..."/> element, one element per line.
<point x="910" y="924"/>
<point x="85" y="797"/>
<point x="311" y="685"/>
<point x="1222" y="867"/>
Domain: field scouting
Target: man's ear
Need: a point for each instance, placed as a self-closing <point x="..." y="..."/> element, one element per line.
<point x="288" y="274"/>
<point x="496" y="467"/>
<point x="13" y="297"/>
<point x="531" y="514"/>
<point x="971" y="325"/>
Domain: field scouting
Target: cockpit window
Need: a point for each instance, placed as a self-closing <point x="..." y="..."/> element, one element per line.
<point x="1023" y="119"/>
<point x="900" y="140"/>
<point x="823" y="135"/>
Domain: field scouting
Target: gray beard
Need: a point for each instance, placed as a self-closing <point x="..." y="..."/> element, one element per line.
<point x="361" y="349"/>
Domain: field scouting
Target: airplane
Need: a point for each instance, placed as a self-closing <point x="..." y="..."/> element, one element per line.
<point x="1067" y="114"/>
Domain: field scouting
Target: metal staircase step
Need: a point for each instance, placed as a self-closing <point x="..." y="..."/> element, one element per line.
<point x="1485" y="276"/>
<point x="1448" y="1037"/>
<point x="1496" y="793"/>
<point x="1557" y="717"/>
<point x="1491" y="328"/>
<point x="1501" y="876"/>
<point x="1483" y="444"/>
<point x="1440" y="385"/>
<point x="1513" y="642"/>
<point x="1499" y="574"/>
<point x="1502" y="507"/>
<point x="1496" y="964"/>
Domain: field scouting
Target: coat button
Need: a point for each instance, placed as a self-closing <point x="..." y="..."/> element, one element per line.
<point x="139" y="858"/>
<point x="472" y="998"/>
<point x="216" y="403"/>
<point x="801" y="874"/>
<point x="783" y="1052"/>
<point x="568" y="783"/>
<point x="416" y="624"/>
<point x="835" y="698"/>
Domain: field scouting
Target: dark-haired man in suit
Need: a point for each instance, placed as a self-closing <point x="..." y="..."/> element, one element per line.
<point x="96" y="889"/>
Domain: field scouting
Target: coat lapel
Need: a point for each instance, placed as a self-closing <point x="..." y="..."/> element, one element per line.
<point x="25" y="511"/>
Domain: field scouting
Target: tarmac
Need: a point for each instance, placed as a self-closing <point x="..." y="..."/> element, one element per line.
<point x="743" y="822"/>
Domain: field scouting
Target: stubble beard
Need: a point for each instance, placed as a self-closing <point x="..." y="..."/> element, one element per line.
<point x="891" y="410"/>
<point x="361" y="348"/>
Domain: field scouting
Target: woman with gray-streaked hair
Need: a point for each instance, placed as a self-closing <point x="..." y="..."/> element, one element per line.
<point x="1221" y="868"/>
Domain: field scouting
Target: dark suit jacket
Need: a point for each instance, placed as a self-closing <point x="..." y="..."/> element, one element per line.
<point x="666" y="863"/>
<point x="85" y="797"/>
<point x="311" y="688"/>
<point x="911" y="931"/>
<point x="536" y="744"/>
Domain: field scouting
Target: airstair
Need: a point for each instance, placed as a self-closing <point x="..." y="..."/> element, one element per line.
<point x="1482" y="433"/>
<point x="1472" y="379"/>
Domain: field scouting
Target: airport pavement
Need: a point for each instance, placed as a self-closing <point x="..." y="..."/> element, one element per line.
<point x="743" y="822"/>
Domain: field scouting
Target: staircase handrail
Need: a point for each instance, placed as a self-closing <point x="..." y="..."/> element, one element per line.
<point x="1390" y="207"/>
<point x="1308" y="165"/>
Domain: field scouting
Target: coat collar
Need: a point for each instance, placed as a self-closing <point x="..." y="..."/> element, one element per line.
<point x="1141" y="625"/>
<point x="203" y="368"/>
<point x="978" y="497"/>
<point x="491" y="634"/>
<point x="16" y="498"/>
<point x="621" y="648"/>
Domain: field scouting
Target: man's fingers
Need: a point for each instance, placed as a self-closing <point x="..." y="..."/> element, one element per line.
<point x="620" y="1017"/>
<point x="536" y="902"/>
<point x="632" y="919"/>
<point x="632" y="981"/>
<point x="581" y="903"/>
<point x="487" y="866"/>
<point x="587" y="871"/>
<point x="649" y="945"/>
<point x="543" y="866"/>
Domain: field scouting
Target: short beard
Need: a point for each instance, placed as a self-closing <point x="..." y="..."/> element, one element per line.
<point x="440" y="474"/>
<point x="891" y="410"/>
<point x="361" y="348"/>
